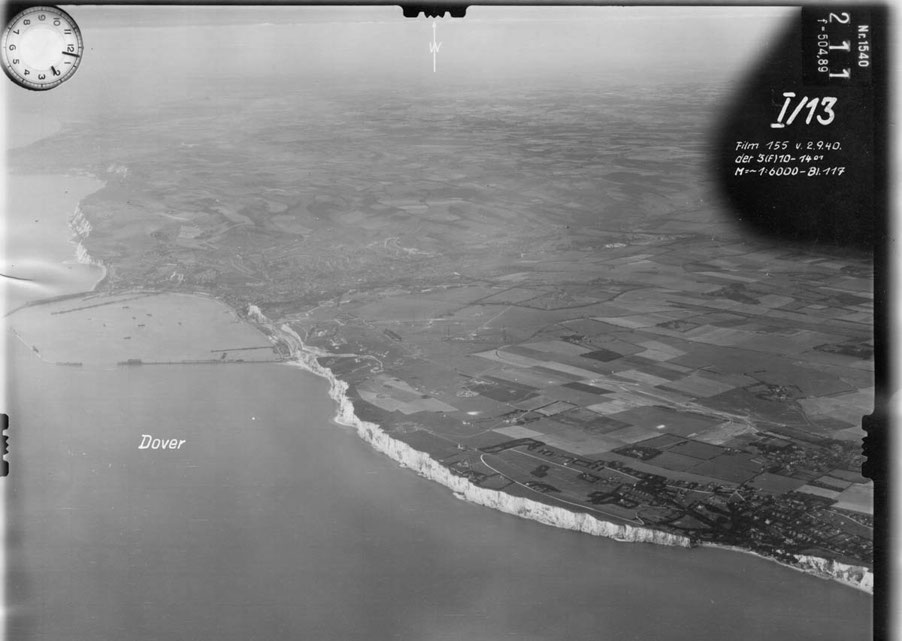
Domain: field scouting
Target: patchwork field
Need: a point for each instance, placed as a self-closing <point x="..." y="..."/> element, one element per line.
<point x="559" y="309"/>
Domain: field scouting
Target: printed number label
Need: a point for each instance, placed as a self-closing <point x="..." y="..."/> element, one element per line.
<point x="820" y="109"/>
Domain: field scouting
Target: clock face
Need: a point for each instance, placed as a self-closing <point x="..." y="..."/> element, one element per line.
<point x="41" y="48"/>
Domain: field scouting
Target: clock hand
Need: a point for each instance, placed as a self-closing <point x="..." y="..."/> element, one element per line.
<point x="66" y="53"/>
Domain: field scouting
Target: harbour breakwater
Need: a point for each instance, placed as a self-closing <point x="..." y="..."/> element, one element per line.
<point x="307" y="358"/>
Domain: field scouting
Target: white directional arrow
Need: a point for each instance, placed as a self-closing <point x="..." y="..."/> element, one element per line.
<point x="434" y="46"/>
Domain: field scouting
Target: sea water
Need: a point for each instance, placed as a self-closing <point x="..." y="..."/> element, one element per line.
<point x="39" y="246"/>
<point x="273" y="522"/>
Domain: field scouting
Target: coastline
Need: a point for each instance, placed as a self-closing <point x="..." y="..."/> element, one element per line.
<point x="431" y="469"/>
<point x="80" y="228"/>
<point x="50" y="275"/>
<point x="396" y="519"/>
<point x="856" y="577"/>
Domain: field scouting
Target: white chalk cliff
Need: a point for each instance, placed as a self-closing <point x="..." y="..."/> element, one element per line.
<point x="854" y="575"/>
<point x="81" y="229"/>
<point x="306" y="358"/>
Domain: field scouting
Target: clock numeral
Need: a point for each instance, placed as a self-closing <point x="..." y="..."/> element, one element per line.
<point x="15" y="58"/>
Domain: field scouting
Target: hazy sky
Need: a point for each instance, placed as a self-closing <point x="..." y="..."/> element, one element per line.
<point x="138" y="57"/>
<point x="507" y="41"/>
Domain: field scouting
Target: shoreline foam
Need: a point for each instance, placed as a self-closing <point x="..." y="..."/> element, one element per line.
<point x="857" y="577"/>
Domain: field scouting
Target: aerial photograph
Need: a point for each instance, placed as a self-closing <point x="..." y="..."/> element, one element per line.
<point x="543" y="323"/>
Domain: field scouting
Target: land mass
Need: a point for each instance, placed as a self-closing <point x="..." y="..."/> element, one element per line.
<point x="536" y="289"/>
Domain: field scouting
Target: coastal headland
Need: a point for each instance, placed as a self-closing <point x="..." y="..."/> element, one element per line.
<point x="575" y="330"/>
<point x="42" y="239"/>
